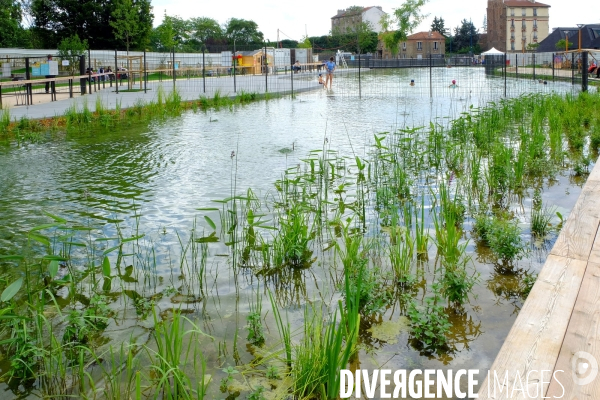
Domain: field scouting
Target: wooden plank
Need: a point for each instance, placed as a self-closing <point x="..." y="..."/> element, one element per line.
<point x="535" y="339"/>
<point x="595" y="253"/>
<point x="583" y="334"/>
<point x="578" y="234"/>
<point x="595" y="174"/>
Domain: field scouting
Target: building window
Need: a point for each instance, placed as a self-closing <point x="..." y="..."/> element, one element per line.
<point x="435" y="46"/>
<point x="523" y="12"/>
<point x="512" y="12"/>
<point x="523" y="24"/>
<point x="512" y="35"/>
<point x="512" y="22"/>
<point x="512" y="45"/>
<point x="419" y="45"/>
<point x="535" y="12"/>
<point x="535" y="23"/>
<point x="404" y="46"/>
<point x="535" y="36"/>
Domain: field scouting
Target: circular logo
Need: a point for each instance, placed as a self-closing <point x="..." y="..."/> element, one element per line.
<point x="584" y="368"/>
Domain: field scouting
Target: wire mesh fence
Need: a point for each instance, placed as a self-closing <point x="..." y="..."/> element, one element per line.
<point x="282" y="71"/>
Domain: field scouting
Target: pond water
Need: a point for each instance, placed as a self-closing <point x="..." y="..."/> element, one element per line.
<point x="152" y="179"/>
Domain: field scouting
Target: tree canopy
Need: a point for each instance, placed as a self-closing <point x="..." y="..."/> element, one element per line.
<point x="243" y="32"/>
<point x="55" y="20"/>
<point x="466" y="38"/>
<point x="438" y="25"/>
<point x="401" y="23"/>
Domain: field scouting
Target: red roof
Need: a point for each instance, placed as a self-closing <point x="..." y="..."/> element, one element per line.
<point x="435" y="35"/>
<point x="524" y="3"/>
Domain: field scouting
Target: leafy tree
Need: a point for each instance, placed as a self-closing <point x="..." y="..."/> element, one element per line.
<point x="70" y="49"/>
<point x="465" y="38"/>
<point x="438" y="25"/>
<point x="205" y="31"/>
<point x="403" y="21"/>
<point x="289" y="44"/>
<point x="54" y="20"/>
<point x="130" y="21"/>
<point x="561" y="45"/>
<point x="305" y="43"/>
<point x="10" y="23"/>
<point x="243" y="32"/>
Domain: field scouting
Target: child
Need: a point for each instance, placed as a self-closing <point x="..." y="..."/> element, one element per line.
<point x="412" y="82"/>
<point x="321" y="81"/>
<point x="453" y="86"/>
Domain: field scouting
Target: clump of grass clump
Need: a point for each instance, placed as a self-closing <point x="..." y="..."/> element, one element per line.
<point x="429" y="322"/>
<point x="540" y="221"/>
<point x="503" y="236"/>
<point x="291" y="245"/>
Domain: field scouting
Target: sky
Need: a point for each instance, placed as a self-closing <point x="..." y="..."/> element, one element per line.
<point x="295" y="18"/>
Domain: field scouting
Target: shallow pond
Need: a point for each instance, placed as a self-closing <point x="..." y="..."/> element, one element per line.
<point x="153" y="179"/>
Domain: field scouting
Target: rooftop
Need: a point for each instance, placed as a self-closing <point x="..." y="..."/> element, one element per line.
<point x="524" y="3"/>
<point x="427" y="35"/>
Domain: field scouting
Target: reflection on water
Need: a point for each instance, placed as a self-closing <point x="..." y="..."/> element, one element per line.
<point x="153" y="179"/>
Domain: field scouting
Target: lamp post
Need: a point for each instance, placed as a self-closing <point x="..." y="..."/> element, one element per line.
<point x="580" y="26"/>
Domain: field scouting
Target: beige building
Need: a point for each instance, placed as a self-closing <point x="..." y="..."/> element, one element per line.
<point x="419" y="45"/>
<point x="512" y="25"/>
<point x="346" y="20"/>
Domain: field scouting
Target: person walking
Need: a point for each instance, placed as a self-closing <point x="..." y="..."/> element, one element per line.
<point x="49" y="58"/>
<point x="330" y="65"/>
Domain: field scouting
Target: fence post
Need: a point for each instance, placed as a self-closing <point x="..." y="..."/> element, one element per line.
<point x="90" y="70"/>
<point x="504" y="66"/>
<point x="116" y="72"/>
<point x="572" y="68"/>
<point x="82" y="84"/>
<point x="359" y="88"/>
<point x="584" y="71"/>
<point x="203" y="71"/>
<point x="553" y="67"/>
<point x="430" y="76"/>
<point x="266" y="65"/>
<point x="291" y="75"/>
<point x="533" y="65"/>
<point x="233" y="61"/>
<point x="516" y="65"/>
<point x="145" y="74"/>
<point x="173" y="68"/>
<point x="28" y="91"/>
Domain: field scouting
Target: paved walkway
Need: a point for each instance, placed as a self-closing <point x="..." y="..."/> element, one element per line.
<point x="553" y="348"/>
<point x="189" y="89"/>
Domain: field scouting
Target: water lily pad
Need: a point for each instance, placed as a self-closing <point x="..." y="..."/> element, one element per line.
<point x="388" y="331"/>
<point x="285" y="150"/>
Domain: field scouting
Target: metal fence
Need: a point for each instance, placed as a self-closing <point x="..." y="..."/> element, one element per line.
<point x="267" y="71"/>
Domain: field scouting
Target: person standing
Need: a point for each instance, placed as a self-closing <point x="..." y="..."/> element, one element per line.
<point x="330" y="65"/>
<point x="49" y="58"/>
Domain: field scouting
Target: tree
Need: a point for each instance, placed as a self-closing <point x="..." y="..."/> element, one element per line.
<point x="130" y="21"/>
<point x="243" y="32"/>
<point x="70" y="49"/>
<point x="397" y="26"/>
<point x="465" y="38"/>
<point x="54" y="20"/>
<point x="205" y="31"/>
<point x="10" y="23"/>
<point x="438" y="25"/>
<point x="561" y="45"/>
<point x="305" y="43"/>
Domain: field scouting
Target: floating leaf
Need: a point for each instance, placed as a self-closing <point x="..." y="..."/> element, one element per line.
<point x="11" y="290"/>
<point x="212" y="238"/>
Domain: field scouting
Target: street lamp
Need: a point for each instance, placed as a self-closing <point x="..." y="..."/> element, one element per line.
<point x="580" y="26"/>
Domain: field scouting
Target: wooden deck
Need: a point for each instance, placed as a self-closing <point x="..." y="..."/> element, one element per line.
<point x="560" y="318"/>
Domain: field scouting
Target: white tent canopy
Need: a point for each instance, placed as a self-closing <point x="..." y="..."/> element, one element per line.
<point x="492" y="52"/>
